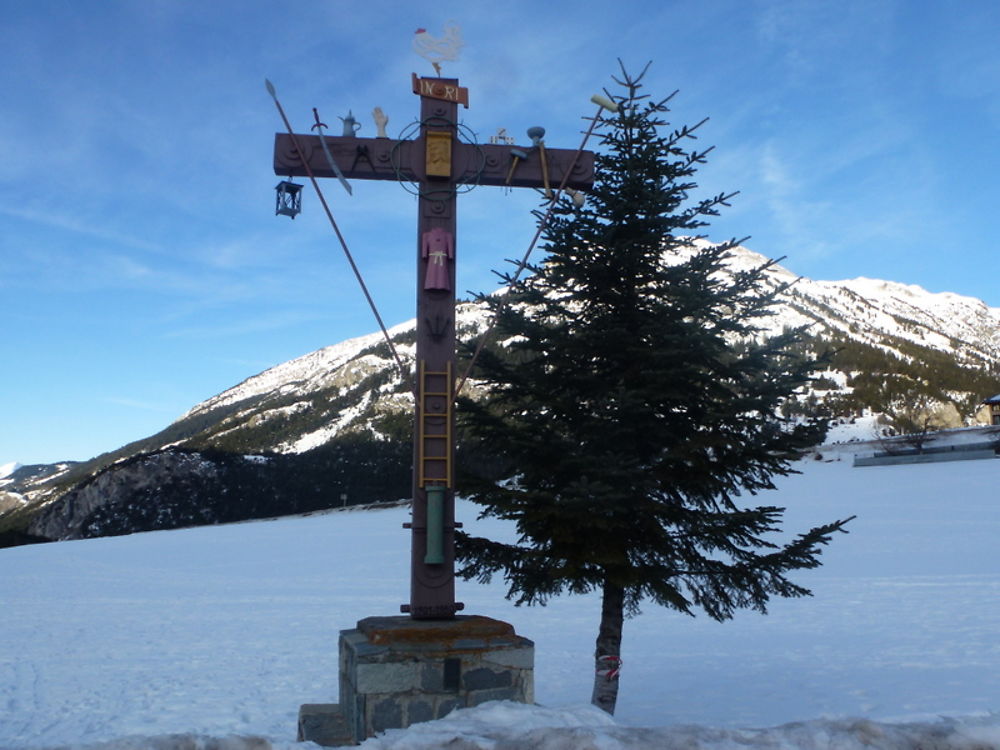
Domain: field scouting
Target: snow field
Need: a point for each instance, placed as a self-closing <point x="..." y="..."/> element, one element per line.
<point x="222" y="632"/>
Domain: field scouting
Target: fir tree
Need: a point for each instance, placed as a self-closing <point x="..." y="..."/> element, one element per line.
<point x="634" y="403"/>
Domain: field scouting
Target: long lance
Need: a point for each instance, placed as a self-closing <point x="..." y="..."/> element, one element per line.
<point x="603" y="103"/>
<point x="333" y="222"/>
<point x="318" y="127"/>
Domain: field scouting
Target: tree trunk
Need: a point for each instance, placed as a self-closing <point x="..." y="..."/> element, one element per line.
<point x="607" y="657"/>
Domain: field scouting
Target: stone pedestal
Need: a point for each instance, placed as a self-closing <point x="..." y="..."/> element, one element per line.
<point x="397" y="671"/>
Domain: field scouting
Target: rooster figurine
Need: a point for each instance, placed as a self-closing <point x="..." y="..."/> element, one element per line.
<point x="434" y="50"/>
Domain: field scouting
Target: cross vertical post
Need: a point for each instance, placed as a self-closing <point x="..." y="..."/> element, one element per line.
<point x="432" y="547"/>
<point x="438" y="161"/>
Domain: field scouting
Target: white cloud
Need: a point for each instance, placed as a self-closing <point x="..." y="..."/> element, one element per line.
<point x="77" y="225"/>
<point x="247" y="325"/>
<point x="801" y="222"/>
<point x="134" y="403"/>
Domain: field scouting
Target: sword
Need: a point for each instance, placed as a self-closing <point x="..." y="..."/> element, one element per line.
<point x="318" y="127"/>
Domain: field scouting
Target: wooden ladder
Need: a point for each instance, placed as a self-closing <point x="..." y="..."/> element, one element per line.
<point x="435" y="446"/>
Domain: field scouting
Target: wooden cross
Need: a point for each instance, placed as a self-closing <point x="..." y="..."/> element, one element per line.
<point x="439" y="162"/>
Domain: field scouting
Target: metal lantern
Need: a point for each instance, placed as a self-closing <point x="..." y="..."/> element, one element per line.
<point x="289" y="198"/>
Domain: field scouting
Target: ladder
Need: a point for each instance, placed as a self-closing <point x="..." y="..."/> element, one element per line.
<point x="435" y="439"/>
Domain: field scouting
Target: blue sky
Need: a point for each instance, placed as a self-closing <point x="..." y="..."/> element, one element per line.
<point x="142" y="268"/>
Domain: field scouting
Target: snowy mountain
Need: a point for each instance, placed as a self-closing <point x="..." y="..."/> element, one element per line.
<point x="336" y="421"/>
<point x="905" y="322"/>
<point x="7" y="469"/>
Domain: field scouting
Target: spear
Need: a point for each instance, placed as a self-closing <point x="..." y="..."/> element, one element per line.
<point x="333" y="223"/>
<point x="536" y="136"/>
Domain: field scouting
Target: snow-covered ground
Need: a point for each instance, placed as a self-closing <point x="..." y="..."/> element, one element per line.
<point x="160" y="639"/>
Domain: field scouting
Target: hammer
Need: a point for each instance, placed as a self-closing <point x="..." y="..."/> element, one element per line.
<point x="536" y="134"/>
<point x="518" y="154"/>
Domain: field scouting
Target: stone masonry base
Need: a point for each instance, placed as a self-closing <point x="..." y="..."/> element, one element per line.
<point x="397" y="671"/>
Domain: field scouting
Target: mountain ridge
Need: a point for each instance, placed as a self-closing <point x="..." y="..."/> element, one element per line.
<point x="941" y="322"/>
<point x="893" y="343"/>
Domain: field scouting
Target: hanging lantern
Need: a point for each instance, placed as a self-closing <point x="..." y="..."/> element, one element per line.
<point x="289" y="198"/>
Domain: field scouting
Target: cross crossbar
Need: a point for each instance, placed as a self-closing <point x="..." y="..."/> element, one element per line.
<point x="439" y="162"/>
<point x="386" y="159"/>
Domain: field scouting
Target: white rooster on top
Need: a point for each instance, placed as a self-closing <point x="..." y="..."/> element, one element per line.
<point x="434" y="50"/>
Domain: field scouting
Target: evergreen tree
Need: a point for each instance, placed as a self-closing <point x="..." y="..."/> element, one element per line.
<point x="634" y="402"/>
